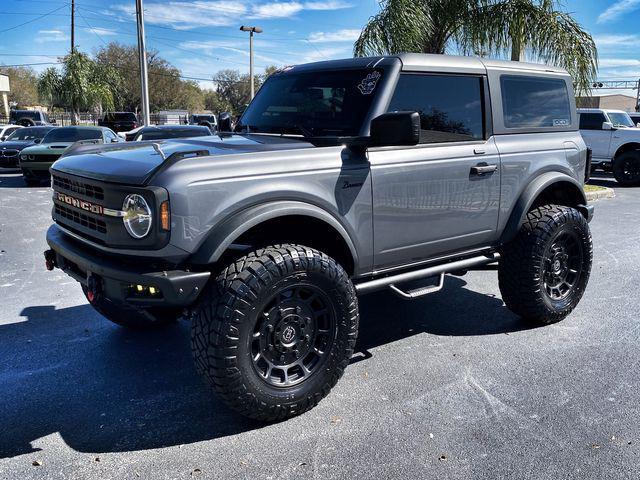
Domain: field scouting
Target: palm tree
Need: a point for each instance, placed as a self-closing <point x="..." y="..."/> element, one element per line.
<point x="81" y="85"/>
<point x="539" y="28"/>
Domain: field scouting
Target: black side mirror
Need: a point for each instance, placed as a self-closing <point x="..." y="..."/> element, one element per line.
<point x="224" y="122"/>
<point x="37" y="140"/>
<point x="395" y="128"/>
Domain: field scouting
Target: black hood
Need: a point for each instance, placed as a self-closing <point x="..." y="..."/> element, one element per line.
<point x="16" y="144"/>
<point x="134" y="163"/>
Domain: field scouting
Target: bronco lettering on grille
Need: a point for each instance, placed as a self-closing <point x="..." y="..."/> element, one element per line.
<point x="82" y="204"/>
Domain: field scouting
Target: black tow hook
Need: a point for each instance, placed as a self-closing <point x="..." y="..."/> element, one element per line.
<point x="50" y="260"/>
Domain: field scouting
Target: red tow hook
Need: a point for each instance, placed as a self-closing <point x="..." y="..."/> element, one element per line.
<point x="50" y="259"/>
<point x="93" y="288"/>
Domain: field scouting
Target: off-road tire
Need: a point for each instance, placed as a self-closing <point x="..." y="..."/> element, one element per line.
<point x="231" y="309"/>
<point x="523" y="271"/>
<point x="626" y="168"/>
<point x="133" y="318"/>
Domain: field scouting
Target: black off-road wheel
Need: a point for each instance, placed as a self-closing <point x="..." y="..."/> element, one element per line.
<point x="544" y="271"/>
<point x="275" y="330"/>
<point x="626" y="169"/>
<point x="133" y="318"/>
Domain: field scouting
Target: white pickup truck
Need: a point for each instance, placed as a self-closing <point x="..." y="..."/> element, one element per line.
<point x="614" y="141"/>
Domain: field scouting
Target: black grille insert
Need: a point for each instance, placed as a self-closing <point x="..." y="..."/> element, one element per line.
<point x="81" y="219"/>
<point x="82" y="188"/>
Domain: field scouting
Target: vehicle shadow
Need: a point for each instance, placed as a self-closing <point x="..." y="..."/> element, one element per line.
<point x="107" y="389"/>
<point x="601" y="179"/>
<point x="13" y="179"/>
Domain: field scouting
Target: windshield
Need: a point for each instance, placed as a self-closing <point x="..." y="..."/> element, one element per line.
<point x="71" y="134"/>
<point x="177" y="133"/>
<point x="329" y="103"/>
<point x="28" y="134"/>
<point x="204" y="118"/>
<point x="620" y="119"/>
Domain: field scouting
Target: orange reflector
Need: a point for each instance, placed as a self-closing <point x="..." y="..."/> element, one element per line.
<point x="165" y="216"/>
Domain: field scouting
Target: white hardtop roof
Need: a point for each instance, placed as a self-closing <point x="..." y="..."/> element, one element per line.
<point x="436" y="62"/>
<point x="599" y="110"/>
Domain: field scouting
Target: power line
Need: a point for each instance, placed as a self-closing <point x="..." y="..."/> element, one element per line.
<point x="34" y="19"/>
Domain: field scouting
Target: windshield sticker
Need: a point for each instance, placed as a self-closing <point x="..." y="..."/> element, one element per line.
<point x="368" y="84"/>
<point x="561" y="122"/>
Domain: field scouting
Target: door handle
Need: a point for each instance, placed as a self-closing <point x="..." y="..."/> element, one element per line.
<point x="479" y="151"/>
<point x="483" y="169"/>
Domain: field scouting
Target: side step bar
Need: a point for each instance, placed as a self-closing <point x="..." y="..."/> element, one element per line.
<point x="466" y="264"/>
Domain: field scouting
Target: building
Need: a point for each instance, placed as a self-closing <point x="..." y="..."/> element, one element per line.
<point x="615" y="101"/>
<point x="4" y="92"/>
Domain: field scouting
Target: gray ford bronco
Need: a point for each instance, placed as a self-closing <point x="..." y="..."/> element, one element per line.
<point x="341" y="178"/>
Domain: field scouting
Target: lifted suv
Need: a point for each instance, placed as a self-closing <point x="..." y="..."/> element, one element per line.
<point x="341" y="178"/>
<point x="615" y="141"/>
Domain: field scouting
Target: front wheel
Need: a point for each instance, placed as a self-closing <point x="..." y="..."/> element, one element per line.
<point x="275" y="330"/>
<point x="626" y="169"/>
<point x="544" y="271"/>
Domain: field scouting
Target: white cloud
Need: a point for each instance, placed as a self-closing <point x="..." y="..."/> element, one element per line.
<point x="617" y="41"/>
<point x="618" y="62"/>
<point x="344" y="35"/>
<point x="219" y="13"/>
<point x="317" y="55"/>
<point x="45" y="36"/>
<point x="618" y="9"/>
<point x="101" y="31"/>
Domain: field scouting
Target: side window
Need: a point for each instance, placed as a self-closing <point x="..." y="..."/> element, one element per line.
<point x="450" y="106"/>
<point x="108" y="136"/>
<point x="534" y="102"/>
<point x="591" y="121"/>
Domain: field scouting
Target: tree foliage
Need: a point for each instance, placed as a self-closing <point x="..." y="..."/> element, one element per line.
<point x="539" y="29"/>
<point x="24" y="85"/>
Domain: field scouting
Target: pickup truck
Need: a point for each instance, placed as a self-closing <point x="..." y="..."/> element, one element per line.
<point x="340" y="179"/>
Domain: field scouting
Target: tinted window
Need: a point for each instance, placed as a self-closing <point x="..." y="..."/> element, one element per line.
<point x="173" y="133"/>
<point x="321" y="103"/>
<point x="72" y="134"/>
<point x="635" y="118"/>
<point x="120" y="117"/>
<point x="530" y="102"/>
<point x="591" y="121"/>
<point x="28" y="133"/>
<point x="450" y="107"/>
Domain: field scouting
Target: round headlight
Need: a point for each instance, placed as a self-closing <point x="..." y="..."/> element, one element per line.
<point x="31" y="157"/>
<point x="23" y="157"/>
<point x="137" y="215"/>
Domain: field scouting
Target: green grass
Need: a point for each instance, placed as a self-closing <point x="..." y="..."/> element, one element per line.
<point x="593" y="188"/>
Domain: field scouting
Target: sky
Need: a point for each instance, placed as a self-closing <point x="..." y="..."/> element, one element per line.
<point x="201" y="37"/>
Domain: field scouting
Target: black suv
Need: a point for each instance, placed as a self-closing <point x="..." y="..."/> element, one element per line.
<point x="29" y="118"/>
<point x="119" y="121"/>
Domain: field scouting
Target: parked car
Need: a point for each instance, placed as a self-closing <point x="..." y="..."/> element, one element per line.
<point x="341" y="178"/>
<point x="36" y="160"/>
<point x="636" y="118"/>
<point x="614" y="141"/>
<point x="6" y="130"/>
<point x="161" y="132"/>
<point x="204" y="119"/>
<point x="20" y="139"/>
<point x="119" y="121"/>
<point x="29" y="118"/>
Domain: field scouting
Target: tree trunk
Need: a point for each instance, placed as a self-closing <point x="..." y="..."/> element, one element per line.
<point x="75" y="116"/>
<point x="517" y="50"/>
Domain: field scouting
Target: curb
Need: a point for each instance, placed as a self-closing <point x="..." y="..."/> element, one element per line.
<point x="606" y="192"/>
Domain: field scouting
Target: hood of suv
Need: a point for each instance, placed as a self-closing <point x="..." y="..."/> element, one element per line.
<point x="135" y="162"/>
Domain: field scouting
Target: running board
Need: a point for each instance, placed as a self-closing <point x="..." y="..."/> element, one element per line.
<point x="419" y="292"/>
<point x="467" y="263"/>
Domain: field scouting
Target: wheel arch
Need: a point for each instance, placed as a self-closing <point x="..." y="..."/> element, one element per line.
<point x="551" y="187"/>
<point x="281" y="222"/>
<point x="626" y="147"/>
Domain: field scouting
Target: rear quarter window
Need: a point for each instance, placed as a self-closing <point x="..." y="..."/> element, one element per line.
<point x="534" y="102"/>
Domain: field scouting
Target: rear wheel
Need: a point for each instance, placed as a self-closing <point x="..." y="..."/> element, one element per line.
<point x="544" y="271"/>
<point x="275" y="330"/>
<point x="626" y="169"/>
<point x="130" y="317"/>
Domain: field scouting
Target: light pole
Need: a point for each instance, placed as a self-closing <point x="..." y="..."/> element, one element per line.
<point x="142" y="55"/>
<point x="251" y="31"/>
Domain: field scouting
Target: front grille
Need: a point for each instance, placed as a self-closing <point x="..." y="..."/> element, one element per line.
<point x="78" y="218"/>
<point x="8" y="153"/>
<point x="74" y="186"/>
<point x="46" y="158"/>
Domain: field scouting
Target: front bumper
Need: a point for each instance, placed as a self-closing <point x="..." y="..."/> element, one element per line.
<point x="35" y="169"/>
<point x="115" y="277"/>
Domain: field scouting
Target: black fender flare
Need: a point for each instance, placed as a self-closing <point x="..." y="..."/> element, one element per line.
<point x="226" y="232"/>
<point x="530" y="195"/>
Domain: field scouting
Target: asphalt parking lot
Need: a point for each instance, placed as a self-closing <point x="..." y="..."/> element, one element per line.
<point x="451" y="386"/>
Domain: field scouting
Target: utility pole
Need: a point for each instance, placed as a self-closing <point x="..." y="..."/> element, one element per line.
<point x="251" y="31"/>
<point x="73" y="28"/>
<point x="142" y="55"/>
